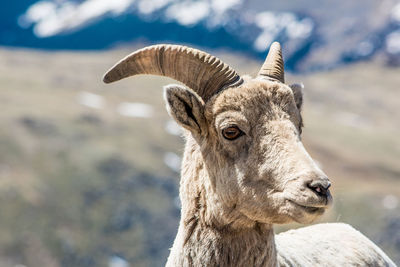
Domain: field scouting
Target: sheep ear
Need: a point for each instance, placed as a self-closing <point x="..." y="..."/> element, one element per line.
<point x="297" y="89"/>
<point x="186" y="107"/>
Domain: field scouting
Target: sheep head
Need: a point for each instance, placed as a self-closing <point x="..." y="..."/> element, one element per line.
<point x="246" y="132"/>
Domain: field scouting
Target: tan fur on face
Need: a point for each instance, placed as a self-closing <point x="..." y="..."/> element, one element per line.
<point x="262" y="162"/>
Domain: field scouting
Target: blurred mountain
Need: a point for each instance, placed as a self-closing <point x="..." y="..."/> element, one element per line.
<point x="315" y="34"/>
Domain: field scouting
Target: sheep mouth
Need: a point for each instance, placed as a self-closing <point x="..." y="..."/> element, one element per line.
<point x="309" y="209"/>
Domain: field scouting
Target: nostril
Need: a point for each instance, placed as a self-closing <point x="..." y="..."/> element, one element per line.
<point x="320" y="187"/>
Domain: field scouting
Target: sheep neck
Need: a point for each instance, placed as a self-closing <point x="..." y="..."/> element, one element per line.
<point x="204" y="239"/>
<point x="208" y="246"/>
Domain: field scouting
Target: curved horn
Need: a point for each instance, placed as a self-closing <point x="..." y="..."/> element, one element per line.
<point x="203" y="73"/>
<point x="273" y="65"/>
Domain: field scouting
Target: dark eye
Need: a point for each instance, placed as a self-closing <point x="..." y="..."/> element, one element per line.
<point x="232" y="132"/>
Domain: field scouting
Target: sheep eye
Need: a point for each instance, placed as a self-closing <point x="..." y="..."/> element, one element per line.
<point x="232" y="133"/>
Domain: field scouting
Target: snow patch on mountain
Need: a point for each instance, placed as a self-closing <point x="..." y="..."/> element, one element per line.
<point x="393" y="42"/>
<point x="395" y="13"/>
<point x="273" y="24"/>
<point x="53" y="17"/>
<point x="148" y="7"/>
<point x="188" y="13"/>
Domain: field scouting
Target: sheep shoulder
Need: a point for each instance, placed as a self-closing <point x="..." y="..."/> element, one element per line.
<point x="328" y="244"/>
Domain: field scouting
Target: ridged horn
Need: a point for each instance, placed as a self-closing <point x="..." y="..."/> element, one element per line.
<point x="273" y="65"/>
<point x="203" y="73"/>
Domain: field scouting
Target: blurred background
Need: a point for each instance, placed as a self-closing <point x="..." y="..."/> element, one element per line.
<point x="89" y="173"/>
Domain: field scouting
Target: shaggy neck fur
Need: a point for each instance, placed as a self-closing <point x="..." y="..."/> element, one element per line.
<point x="215" y="237"/>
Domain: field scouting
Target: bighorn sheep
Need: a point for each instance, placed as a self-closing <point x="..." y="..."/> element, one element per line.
<point x="244" y="167"/>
